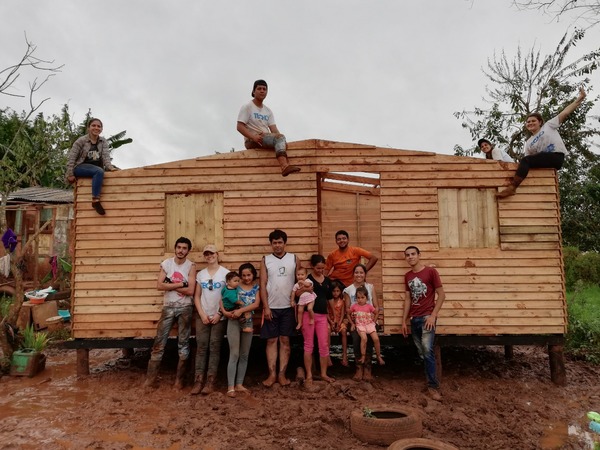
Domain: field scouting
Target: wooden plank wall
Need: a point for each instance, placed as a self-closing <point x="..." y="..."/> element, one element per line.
<point x="516" y="288"/>
<point x="117" y="256"/>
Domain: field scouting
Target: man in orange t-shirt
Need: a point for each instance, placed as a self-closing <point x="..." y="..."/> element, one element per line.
<point x="340" y="263"/>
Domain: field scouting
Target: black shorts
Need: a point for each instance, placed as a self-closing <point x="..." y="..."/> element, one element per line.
<point x="283" y="323"/>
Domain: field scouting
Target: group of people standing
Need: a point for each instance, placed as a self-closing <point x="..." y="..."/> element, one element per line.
<point x="337" y="298"/>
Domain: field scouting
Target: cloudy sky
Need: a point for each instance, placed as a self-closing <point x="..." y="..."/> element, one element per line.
<point x="175" y="73"/>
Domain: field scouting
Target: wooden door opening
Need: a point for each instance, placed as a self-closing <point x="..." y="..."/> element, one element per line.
<point x="351" y="202"/>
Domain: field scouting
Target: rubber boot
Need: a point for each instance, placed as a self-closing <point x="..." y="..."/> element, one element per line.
<point x="152" y="373"/>
<point x="180" y="374"/>
<point x="511" y="189"/>
<point x="286" y="167"/>
<point x="198" y="382"/>
<point x="209" y="387"/>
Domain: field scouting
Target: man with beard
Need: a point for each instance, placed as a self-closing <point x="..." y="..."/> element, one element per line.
<point x="177" y="278"/>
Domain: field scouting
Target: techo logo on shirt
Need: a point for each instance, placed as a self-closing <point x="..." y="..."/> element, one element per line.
<point x="259" y="116"/>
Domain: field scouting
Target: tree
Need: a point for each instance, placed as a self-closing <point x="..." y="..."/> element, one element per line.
<point x="532" y="82"/>
<point x="21" y="160"/>
<point x="33" y="151"/>
<point x="587" y="11"/>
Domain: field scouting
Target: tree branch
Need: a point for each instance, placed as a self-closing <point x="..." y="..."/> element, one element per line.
<point x="11" y="74"/>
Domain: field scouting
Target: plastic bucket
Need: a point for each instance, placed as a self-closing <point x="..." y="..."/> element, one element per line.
<point x="27" y="363"/>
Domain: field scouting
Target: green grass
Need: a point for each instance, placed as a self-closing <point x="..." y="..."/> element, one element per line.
<point x="583" y="334"/>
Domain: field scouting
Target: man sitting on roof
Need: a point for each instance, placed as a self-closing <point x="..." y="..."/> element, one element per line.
<point x="256" y="123"/>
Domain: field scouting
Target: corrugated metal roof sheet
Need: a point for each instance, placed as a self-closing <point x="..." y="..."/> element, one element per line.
<point x="38" y="194"/>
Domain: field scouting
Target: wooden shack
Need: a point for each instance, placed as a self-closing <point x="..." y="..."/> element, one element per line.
<point x="500" y="260"/>
<point x="42" y="210"/>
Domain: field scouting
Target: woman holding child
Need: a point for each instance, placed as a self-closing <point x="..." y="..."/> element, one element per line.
<point x="322" y="288"/>
<point x="239" y="329"/>
<point x="210" y="323"/>
<point x="363" y="370"/>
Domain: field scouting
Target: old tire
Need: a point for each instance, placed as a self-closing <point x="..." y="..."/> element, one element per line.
<point x="389" y="424"/>
<point x="421" y="444"/>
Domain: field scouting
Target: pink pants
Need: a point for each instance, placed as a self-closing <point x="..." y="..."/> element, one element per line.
<point x="321" y="328"/>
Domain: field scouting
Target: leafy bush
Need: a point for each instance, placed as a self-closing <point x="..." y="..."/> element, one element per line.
<point x="587" y="267"/>
<point x="570" y="255"/>
<point x="581" y="267"/>
<point x="583" y="333"/>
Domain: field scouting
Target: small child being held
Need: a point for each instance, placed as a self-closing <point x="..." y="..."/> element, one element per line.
<point x="229" y="296"/>
<point x="307" y="299"/>
<point x="363" y="320"/>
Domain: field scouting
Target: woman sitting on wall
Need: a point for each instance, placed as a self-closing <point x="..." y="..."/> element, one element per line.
<point x="89" y="158"/>
<point x="545" y="148"/>
<point x="491" y="152"/>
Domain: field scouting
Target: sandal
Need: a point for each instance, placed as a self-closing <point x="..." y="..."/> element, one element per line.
<point x="231" y="393"/>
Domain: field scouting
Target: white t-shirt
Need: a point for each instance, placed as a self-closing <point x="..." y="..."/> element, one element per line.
<point x="210" y="299"/>
<point x="351" y="291"/>
<point x="281" y="277"/>
<point x="255" y="118"/>
<point x="176" y="273"/>
<point x="501" y="155"/>
<point x="547" y="140"/>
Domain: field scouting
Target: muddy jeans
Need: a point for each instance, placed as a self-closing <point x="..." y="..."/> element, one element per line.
<point x="183" y="315"/>
<point x="208" y="341"/>
<point x="424" y="341"/>
<point x="239" y="349"/>
<point x="270" y="140"/>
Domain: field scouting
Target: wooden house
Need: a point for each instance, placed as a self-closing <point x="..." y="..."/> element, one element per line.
<point x="500" y="260"/>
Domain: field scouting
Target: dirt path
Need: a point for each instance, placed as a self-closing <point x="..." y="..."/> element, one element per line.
<point x="489" y="403"/>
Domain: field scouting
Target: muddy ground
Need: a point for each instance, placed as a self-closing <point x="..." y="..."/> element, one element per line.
<point x="488" y="403"/>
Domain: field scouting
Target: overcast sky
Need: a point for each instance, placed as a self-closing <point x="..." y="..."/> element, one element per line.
<point x="175" y="73"/>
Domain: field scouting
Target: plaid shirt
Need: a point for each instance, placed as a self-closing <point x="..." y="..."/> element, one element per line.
<point x="80" y="149"/>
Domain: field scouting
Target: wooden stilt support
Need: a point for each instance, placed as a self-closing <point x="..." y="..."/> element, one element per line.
<point x="558" y="374"/>
<point x="509" y="352"/>
<point x="83" y="362"/>
<point x="437" y="350"/>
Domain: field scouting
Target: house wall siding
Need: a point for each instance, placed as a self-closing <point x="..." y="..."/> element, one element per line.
<point x="517" y="288"/>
